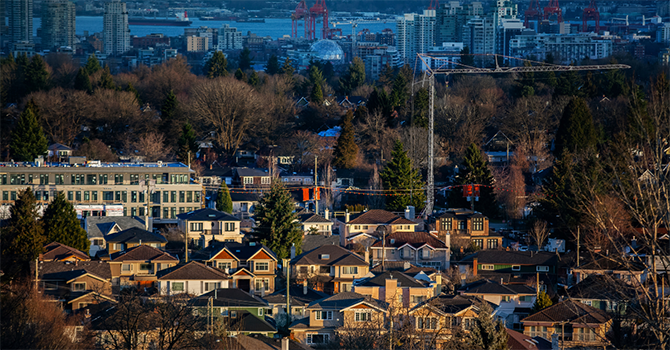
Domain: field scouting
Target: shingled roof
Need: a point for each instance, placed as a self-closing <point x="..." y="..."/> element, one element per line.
<point x="312" y="218"/>
<point x="379" y="217"/>
<point x="449" y="303"/>
<point x="207" y="214"/>
<point x="380" y="280"/>
<point x="65" y="270"/>
<point x="344" y="300"/>
<point x="571" y="311"/>
<point x="414" y="239"/>
<point x="135" y="235"/>
<point x="297" y="295"/>
<point x="99" y="226"/>
<point x="192" y="271"/>
<point x="142" y="253"/>
<point x="486" y="286"/>
<point x="228" y="297"/>
<point x="57" y="251"/>
<point x="599" y="287"/>
<point x="513" y="257"/>
<point x="336" y="256"/>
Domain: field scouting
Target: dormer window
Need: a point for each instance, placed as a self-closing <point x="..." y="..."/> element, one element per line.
<point x="325" y="256"/>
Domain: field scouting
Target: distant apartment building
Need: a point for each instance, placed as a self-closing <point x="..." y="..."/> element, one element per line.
<point x="505" y="9"/>
<point x="376" y="56"/>
<point x="211" y="33"/>
<point x="106" y="189"/>
<point x="20" y="14"/>
<point x="151" y="40"/>
<point x="663" y="33"/>
<point x="565" y="48"/>
<point x="197" y="44"/>
<point x="479" y="35"/>
<point x="116" y="34"/>
<point x="229" y="38"/>
<point x="58" y="24"/>
<point x="450" y="19"/>
<point x="506" y="30"/>
<point x="415" y="34"/>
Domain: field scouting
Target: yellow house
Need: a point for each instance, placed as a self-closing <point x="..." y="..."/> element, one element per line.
<point x="418" y="248"/>
<point x="138" y="266"/>
<point x="205" y="225"/>
<point x="397" y="289"/>
<point x="366" y="224"/>
<point x="329" y="268"/>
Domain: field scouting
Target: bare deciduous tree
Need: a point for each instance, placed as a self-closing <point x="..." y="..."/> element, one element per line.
<point x="151" y="146"/>
<point x="539" y="233"/>
<point x="62" y="112"/>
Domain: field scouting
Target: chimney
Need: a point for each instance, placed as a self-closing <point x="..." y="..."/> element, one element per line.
<point x="438" y="284"/>
<point x="284" y="343"/>
<point x="326" y="214"/>
<point x="367" y="256"/>
<point x="346" y="216"/>
<point x="390" y="289"/>
<point x="293" y="251"/>
<point x="406" y="266"/>
<point x="304" y="287"/>
<point x="474" y="267"/>
<point x="407" y="213"/>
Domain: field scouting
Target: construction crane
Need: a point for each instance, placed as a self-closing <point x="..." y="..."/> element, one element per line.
<point x="430" y="61"/>
<point x="434" y="4"/>
<point x="318" y="10"/>
<point x="553" y="9"/>
<point x="534" y="12"/>
<point x="591" y="12"/>
<point x="301" y="12"/>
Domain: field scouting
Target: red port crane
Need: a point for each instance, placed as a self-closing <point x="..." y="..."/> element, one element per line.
<point x="301" y="12"/>
<point x="591" y="12"/>
<point x="553" y="9"/>
<point x="434" y="4"/>
<point x="534" y="12"/>
<point x="318" y="10"/>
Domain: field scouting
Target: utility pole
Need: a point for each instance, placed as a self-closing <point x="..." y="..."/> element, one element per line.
<point x="577" y="246"/>
<point x="316" y="186"/>
<point x="442" y="61"/>
<point x="288" y="297"/>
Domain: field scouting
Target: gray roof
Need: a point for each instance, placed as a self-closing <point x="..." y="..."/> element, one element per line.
<point x="297" y="295"/>
<point x="310" y="242"/>
<point x="343" y="300"/>
<point x="228" y="297"/>
<point x="192" y="271"/>
<point x="313" y="218"/>
<point x="380" y="280"/>
<point x="207" y="214"/>
<point x="135" y="235"/>
<point x="59" y="147"/>
<point x="249" y="323"/>
<point x="251" y="172"/>
<point x="99" y="226"/>
<point x="336" y="256"/>
<point x="449" y="303"/>
<point x="489" y="287"/>
<point x="245" y="196"/>
<point x="142" y="253"/>
<point x="503" y="257"/>
<point x="60" y="270"/>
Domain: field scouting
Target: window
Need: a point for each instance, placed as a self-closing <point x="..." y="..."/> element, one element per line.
<point x="262" y="266"/>
<point x="229" y="226"/>
<point x="197" y="196"/>
<point x="324" y="269"/>
<point x="478" y="224"/>
<point x="134" y="179"/>
<point x="345" y="287"/>
<point x="248" y="180"/>
<point x="145" y="267"/>
<point x="362" y="316"/>
<point x="516" y="267"/>
<point x="38" y="195"/>
<point x="60" y="179"/>
<point x="166" y="212"/>
<point x="124" y="196"/>
<point x="225" y="265"/>
<point x="91" y="179"/>
<point x="462" y="225"/>
<point x="491" y="244"/>
<point x="445" y="224"/>
<point x="87" y="196"/>
<point x="44" y="179"/>
<point x="196" y="226"/>
<point x="189" y="196"/>
<point x="349" y="270"/>
<point x="94" y="196"/>
<point x="30" y="178"/>
<point x="262" y="284"/>
<point x="418" y="299"/>
<point x="173" y="213"/>
<point x="70" y="196"/>
<point x="12" y="195"/>
<point x="118" y="179"/>
<point x="173" y="196"/>
<point x="318" y="338"/>
<point x="260" y="312"/>
<point x="133" y="211"/>
<point x="78" y="287"/>
<point x="426" y="323"/>
<point x="325" y="256"/>
<point x="133" y="196"/>
<point x="46" y="195"/>
<point x="211" y="286"/>
<point x="479" y="243"/>
<point x="102" y="179"/>
<point x="324" y="315"/>
<point x="265" y="180"/>
<point x="182" y="196"/>
<point x="542" y="268"/>
<point x="78" y="196"/>
<point x="3" y="179"/>
<point x="488" y="267"/>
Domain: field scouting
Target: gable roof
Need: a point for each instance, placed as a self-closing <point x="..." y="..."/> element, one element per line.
<point x="59" y="147"/>
<point x="248" y="323"/>
<point x="520" y="341"/>
<point x="142" y="253"/>
<point x="486" y="286"/>
<point x="310" y="242"/>
<point x="66" y="271"/>
<point x="228" y="297"/>
<point x="236" y="196"/>
<point x="344" y="300"/>
<point x="297" y="296"/>
<point x="207" y="214"/>
<point x="135" y="235"/>
<point x="336" y="256"/>
<point x="253" y="172"/>
<point x="380" y="280"/>
<point x="414" y="239"/>
<point x="504" y="257"/>
<point x="58" y="251"/>
<point x="313" y="218"/>
<point x="599" y="287"/>
<point x="99" y="226"/>
<point x="403" y="266"/>
<point x="571" y="311"/>
<point x="449" y="303"/>
<point x="379" y="217"/>
<point x="191" y="271"/>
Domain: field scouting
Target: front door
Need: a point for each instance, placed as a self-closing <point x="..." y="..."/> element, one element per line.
<point x="244" y="285"/>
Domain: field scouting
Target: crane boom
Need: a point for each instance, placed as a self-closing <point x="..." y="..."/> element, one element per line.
<point x="430" y="73"/>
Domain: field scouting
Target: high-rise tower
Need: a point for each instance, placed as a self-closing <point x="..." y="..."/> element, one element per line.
<point x="116" y="32"/>
<point x="20" y="13"/>
<point x="58" y="24"/>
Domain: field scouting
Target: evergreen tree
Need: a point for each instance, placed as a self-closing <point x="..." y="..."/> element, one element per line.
<point x="589" y="89"/>
<point x="542" y="302"/>
<point x="217" y="66"/>
<point x="61" y="224"/>
<point x="82" y="81"/>
<point x="315" y="75"/>
<point x="346" y="150"/>
<point x="287" y="68"/>
<point x="106" y="81"/>
<point x="23" y="236"/>
<point x="272" y="67"/>
<point x="387" y="75"/>
<point x="487" y="334"/>
<point x="466" y="58"/>
<point x="400" y="176"/>
<point x="36" y="75"/>
<point x="223" y="201"/>
<point x="187" y="142"/>
<point x="317" y="94"/>
<point x="276" y="223"/>
<point x="245" y="59"/>
<point x="239" y="75"/>
<point x="379" y="102"/>
<point x="92" y="64"/>
<point x="254" y="79"/>
<point x="131" y="88"/>
<point x="400" y="92"/>
<point x="28" y="140"/>
<point x="576" y="132"/>
<point x="354" y="77"/>
<point x="328" y="70"/>
<point x="421" y="104"/>
<point x="569" y="84"/>
<point x="169" y="109"/>
<point x="474" y="170"/>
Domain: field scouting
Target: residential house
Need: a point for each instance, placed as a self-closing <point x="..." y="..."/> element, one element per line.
<point x="351" y="102"/>
<point x="604" y="292"/>
<point x="499" y="149"/>
<point x="192" y="278"/>
<point x="252" y="267"/>
<point x="138" y="266"/>
<point x="342" y="312"/>
<point x="397" y="289"/>
<point x="575" y="324"/>
<point x="520" y="341"/>
<point x="366" y="227"/>
<point x="241" y="312"/>
<point x="59" y="151"/>
<point x="512" y="301"/>
<point x="213" y="176"/>
<point x="631" y="271"/>
<point x="515" y="267"/>
<point x="409" y="269"/>
<point x="75" y="284"/>
<point x="249" y="178"/>
<point x="98" y="227"/>
<point x="275" y="154"/>
<point x="310" y="242"/>
<point x="419" y="248"/>
<point x="444" y="315"/>
<point x="300" y="297"/>
<point x="244" y="203"/>
<point x="133" y="237"/>
<point x="60" y="252"/>
<point x="462" y="228"/>
<point x="205" y="225"/>
<point x="330" y="268"/>
<point x="296" y="179"/>
<point x="316" y="222"/>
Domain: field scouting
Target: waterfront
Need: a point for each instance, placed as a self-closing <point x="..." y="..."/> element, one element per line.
<point x="273" y="27"/>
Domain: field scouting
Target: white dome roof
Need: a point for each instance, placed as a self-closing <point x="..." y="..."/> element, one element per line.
<point x="327" y="50"/>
